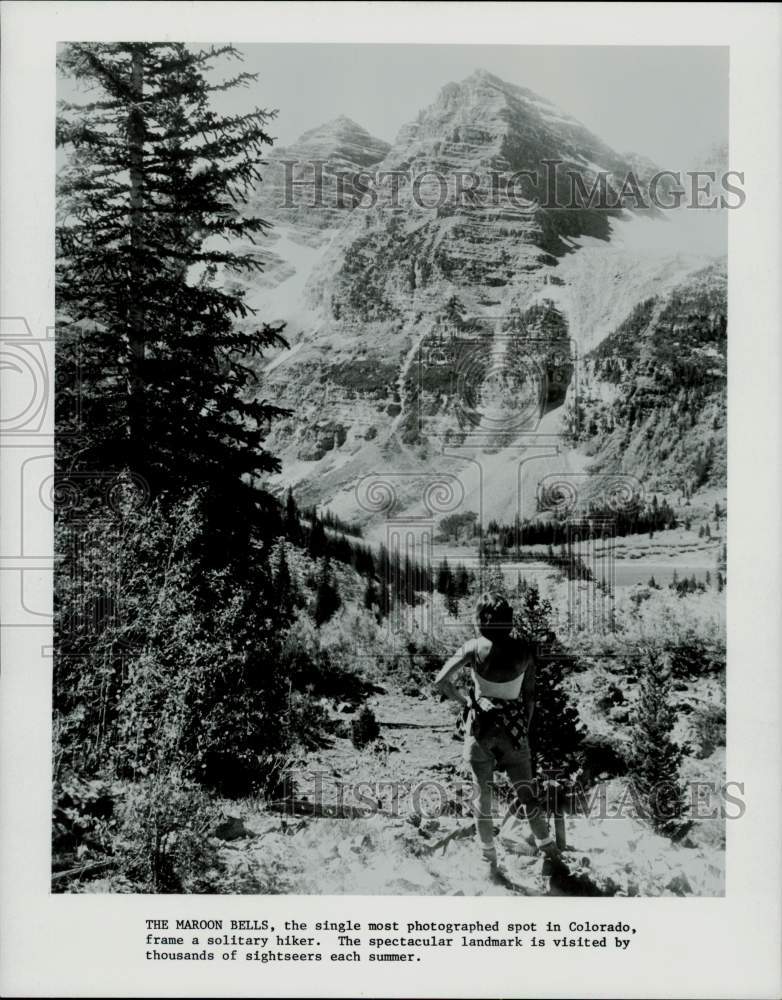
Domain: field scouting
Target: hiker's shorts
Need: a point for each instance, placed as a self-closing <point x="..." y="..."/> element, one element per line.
<point x="495" y="751"/>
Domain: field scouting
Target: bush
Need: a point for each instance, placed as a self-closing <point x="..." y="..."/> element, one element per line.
<point x="688" y="630"/>
<point x="325" y="662"/>
<point x="186" y="669"/>
<point x="164" y="836"/>
<point x="708" y="725"/>
<point x="364" y="728"/>
<point x="83" y="821"/>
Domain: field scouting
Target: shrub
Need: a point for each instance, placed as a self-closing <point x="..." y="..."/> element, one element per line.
<point x="708" y="725"/>
<point x="688" y="630"/>
<point x="364" y="728"/>
<point x="83" y="821"/>
<point x="187" y="667"/>
<point x="164" y="836"/>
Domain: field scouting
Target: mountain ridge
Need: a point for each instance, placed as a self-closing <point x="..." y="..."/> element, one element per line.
<point x="392" y="276"/>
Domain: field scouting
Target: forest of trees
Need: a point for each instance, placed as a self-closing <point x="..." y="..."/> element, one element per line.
<point x="632" y="519"/>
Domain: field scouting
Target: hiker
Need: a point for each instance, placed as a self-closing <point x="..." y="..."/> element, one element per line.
<point x="498" y="711"/>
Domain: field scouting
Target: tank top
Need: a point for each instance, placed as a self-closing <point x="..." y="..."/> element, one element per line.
<point x="497" y="689"/>
<point x="484" y="688"/>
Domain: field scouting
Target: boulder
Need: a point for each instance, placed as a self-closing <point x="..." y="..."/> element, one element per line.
<point x="232" y="828"/>
<point x="679" y="885"/>
<point x="310" y="453"/>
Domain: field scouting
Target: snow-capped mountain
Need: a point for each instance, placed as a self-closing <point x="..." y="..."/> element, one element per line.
<point x="429" y="329"/>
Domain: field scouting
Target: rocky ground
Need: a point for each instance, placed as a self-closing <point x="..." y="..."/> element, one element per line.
<point x="424" y="845"/>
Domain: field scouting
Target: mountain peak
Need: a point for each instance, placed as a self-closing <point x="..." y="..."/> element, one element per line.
<point x="343" y="139"/>
<point x="340" y="124"/>
<point x="482" y="78"/>
<point x="484" y="119"/>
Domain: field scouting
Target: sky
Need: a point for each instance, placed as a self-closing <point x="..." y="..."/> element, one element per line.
<point x="669" y="103"/>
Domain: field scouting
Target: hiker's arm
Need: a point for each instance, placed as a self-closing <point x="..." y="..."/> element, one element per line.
<point x="444" y="681"/>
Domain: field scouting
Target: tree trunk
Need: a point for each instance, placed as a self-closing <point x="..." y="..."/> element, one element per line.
<point x="136" y="333"/>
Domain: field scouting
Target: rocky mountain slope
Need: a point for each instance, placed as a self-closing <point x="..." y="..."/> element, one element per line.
<point x="652" y="395"/>
<point x="429" y="329"/>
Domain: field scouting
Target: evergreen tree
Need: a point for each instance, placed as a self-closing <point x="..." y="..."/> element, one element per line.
<point x="557" y="731"/>
<point x="292" y="521"/>
<point x="327" y="599"/>
<point x="655" y="760"/>
<point x="462" y="581"/>
<point x="451" y="597"/>
<point x="492" y="577"/>
<point x="160" y="353"/>
<point x="152" y="185"/>
<point x="286" y="597"/>
<point x="317" y="543"/>
<point x="444" y="577"/>
<point x="371" y="597"/>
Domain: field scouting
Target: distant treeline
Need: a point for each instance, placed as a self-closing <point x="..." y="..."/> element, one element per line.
<point x="330" y="520"/>
<point x="391" y="575"/>
<point x="635" y="519"/>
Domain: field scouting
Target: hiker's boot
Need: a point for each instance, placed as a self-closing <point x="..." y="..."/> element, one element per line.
<point x="491" y="868"/>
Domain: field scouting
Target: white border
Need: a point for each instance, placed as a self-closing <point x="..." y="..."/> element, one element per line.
<point x="87" y="946"/>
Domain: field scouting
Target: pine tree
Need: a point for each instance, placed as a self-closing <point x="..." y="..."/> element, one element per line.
<point x="292" y="521"/>
<point x="327" y="599"/>
<point x="492" y="577"/>
<point x="451" y="597"/>
<point x="655" y="760"/>
<point x="161" y="354"/>
<point x="285" y="596"/>
<point x="462" y="581"/>
<point x="317" y="542"/>
<point x="444" y="577"/>
<point x="557" y="732"/>
<point x="371" y="597"/>
<point x="153" y="182"/>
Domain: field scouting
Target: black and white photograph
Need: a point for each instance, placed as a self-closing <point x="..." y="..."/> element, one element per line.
<point x="390" y="494"/>
<point x="389" y="461"/>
